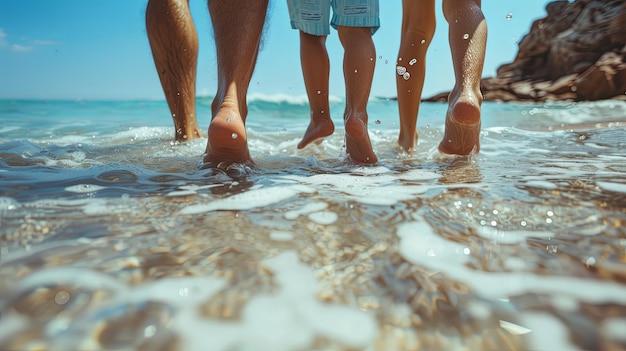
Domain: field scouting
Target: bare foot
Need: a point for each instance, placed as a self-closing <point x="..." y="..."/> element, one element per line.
<point x="227" y="140"/>
<point x="407" y="142"/>
<point x="318" y="129"/>
<point x="462" y="131"/>
<point x="358" y="144"/>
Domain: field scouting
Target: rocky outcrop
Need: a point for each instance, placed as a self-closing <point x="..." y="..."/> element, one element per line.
<point x="577" y="52"/>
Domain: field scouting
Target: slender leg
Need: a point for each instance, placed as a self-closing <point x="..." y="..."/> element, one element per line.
<point x="418" y="28"/>
<point x="468" y="38"/>
<point x="316" y="70"/>
<point x="358" y="70"/>
<point x="174" y="45"/>
<point x="237" y="27"/>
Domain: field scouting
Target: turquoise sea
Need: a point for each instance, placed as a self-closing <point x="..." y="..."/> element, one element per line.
<point x="112" y="238"/>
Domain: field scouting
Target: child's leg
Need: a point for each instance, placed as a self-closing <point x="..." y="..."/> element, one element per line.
<point x="316" y="69"/>
<point x="358" y="69"/>
<point x="418" y="28"/>
<point x="468" y="38"/>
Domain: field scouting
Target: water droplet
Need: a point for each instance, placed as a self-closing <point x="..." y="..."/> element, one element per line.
<point x="493" y="223"/>
<point x="423" y="42"/>
<point x="412" y="62"/>
<point x="234" y="136"/>
<point x="465" y="36"/>
<point x="322" y="111"/>
<point x="509" y="16"/>
<point x="62" y="297"/>
<point x="523" y="223"/>
<point x="228" y="120"/>
<point x="590" y="261"/>
<point x="356" y="71"/>
<point x="550" y="213"/>
<point x="380" y="57"/>
<point x="319" y="92"/>
<point x="552" y="249"/>
<point x="377" y="121"/>
<point x="174" y="115"/>
<point x="466" y="251"/>
<point x="400" y="70"/>
<point x="549" y="220"/>
<point x="406" y="76"/>
<point x="178" y="93"/>
<point x="495" y="212"/>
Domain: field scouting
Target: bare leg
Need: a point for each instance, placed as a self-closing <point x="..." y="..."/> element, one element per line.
<point x="418" y="28"/>
<point x="468" y="37"/>
<point x="316" y="69"/>
<point x="358" y="70"/>
<point x="174" y="44"/>
<point x="237" y="26"/>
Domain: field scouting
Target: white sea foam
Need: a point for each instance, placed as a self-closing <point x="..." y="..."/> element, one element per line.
<point x="509" y="236"/>
<point x="254" y="198"/>
<point x="308" y="208"/>
<point x="373" y="189"/>
<point x="289" y="319"/>
<point x="614" y="187"/>
<point x="279" y="235"/>
<point x="325" y="217"/>
<point x="285" y="98"/>
<point x="542" y="184"/>
<point x="546" y="332"/>
<point x="421" y="245"/>
<point x="614" y="329"/>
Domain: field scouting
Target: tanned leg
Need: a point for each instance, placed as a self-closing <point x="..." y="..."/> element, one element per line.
<point x="174" y="45"/>
<point x="315" y="70"/>
<point x="237" y="27"/>
<point x="358" y="70"/>
<point x="418" y="28"/>
<point x="468" y="38"/>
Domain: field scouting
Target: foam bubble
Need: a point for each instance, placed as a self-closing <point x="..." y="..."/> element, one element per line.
<point x="324" y="217"/>
<point x="281" y="236"/>
<point x="84" y="188"/>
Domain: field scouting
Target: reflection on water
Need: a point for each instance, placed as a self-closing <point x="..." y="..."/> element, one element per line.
<point x="520" y="247"/>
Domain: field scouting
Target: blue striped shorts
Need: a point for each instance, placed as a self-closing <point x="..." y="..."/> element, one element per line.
<point x="312" y="16"/>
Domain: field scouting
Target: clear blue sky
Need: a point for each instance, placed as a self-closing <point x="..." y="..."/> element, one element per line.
<point x="79" y="49"/>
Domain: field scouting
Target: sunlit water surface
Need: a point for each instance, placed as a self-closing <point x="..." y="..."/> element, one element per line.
<point x="112" y="238"/>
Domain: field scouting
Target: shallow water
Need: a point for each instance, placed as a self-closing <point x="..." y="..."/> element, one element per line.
<point x="112" y="238"/>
